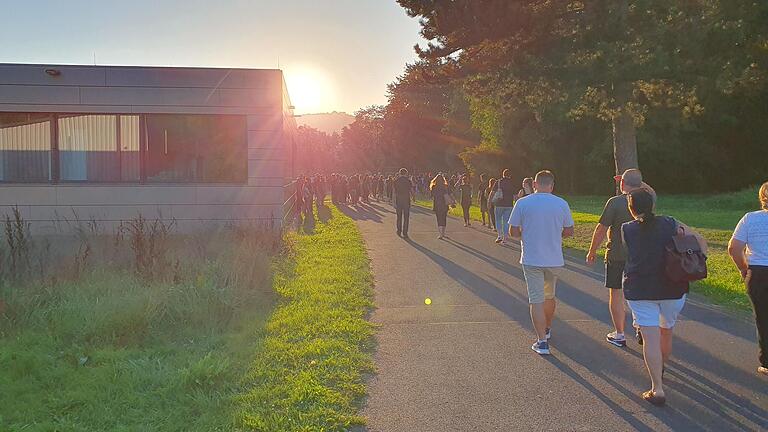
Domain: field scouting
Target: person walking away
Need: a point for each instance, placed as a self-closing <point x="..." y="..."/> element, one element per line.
<point x="465" y="197"/>
<point x="655" y="299"/>
<point x="616" y="213"/>
<point x="527" y="188"/>
<point x="441" y="199"/>
<point x="541" y="221"/>
<point x="482" y="198"/>
<point x="491" y="208"/>
<point x="403" y="189"/>
<point x="503" y="199"/>
<point x="748" y="249"/>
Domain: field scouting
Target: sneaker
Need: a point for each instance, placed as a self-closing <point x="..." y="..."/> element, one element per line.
<point x="614" y="339"/>
<point x="638" y="336"/>
<point x="498" y="240"/>
<point x="541" y="347"/>
<point x="762" y="370"/>
<point x="548" y="333"/>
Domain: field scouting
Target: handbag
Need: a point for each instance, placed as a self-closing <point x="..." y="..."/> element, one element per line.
<point x="498" y="197"/>
<point x="684" y="260"/>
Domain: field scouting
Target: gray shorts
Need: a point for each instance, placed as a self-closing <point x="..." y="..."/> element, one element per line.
<point x="541" y="282"/>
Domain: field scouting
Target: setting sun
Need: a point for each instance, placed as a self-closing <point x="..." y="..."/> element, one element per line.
<point x="310" y="90"/>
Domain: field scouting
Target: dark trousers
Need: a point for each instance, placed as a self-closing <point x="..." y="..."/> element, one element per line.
<point x="403" y="214"/>
<point x="465" y="209"/>
<point x="492" y="215"/>
<point x="757" y="289"/>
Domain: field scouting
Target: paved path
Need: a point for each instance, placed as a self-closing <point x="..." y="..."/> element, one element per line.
<point x="465" y="364"/>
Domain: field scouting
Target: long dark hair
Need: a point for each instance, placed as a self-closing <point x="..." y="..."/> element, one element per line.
<point x="641" y="206"/>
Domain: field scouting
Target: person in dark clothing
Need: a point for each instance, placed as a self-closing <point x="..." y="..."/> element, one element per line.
<point x="403" y="189"/>
<point x="655" y="300"/>
<point x="491" y="208"/>
<point x="482" y="194"/>
<point x="748" y="249"/>
<point x="465" y="197"/>
<point x="441" y="200"/>
<point x="503" y="204"/>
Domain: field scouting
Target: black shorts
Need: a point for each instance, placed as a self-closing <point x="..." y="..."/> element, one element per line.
<point x="614" y="273"/>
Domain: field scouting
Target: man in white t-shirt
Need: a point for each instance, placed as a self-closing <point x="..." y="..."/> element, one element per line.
<point x="541" y="220"/>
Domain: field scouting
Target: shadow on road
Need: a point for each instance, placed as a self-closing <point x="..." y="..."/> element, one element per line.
<point x="364" y="211"/>
<point x="696" y="403"/>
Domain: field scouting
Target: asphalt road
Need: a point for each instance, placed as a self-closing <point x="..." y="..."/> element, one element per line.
<point x="464" y="362"/>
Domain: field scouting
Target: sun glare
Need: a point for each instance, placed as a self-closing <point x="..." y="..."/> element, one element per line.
<point x="309" y="89"/>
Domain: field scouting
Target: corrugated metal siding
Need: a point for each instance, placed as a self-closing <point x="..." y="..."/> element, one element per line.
<point x="24" y="152"/>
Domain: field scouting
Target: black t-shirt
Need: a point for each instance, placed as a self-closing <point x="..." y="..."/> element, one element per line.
<point x="644" y="272"/>
<point x="403" y="191"/>
<point x="614" y="215"/>
<point x="508" y="188"/>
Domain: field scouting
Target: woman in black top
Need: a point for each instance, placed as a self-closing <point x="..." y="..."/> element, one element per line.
<point x="465" y="198"/>
<point x="503" y="206"/>
<point x="482" y="192"/>
<point x="655" y="300"/>
<point x="439" y="189"/>
<point x="489" y="199"/>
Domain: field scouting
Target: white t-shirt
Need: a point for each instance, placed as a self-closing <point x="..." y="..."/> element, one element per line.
<point x="753" y="230"/>
<point x="542" y="217"/>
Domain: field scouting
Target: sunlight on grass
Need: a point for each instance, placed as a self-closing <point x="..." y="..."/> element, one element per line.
<point x="309" y="374"/>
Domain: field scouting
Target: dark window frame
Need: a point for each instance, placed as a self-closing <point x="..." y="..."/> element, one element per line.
<point x="54" y="158"/>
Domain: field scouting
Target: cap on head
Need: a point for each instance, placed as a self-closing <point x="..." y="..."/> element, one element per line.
<point x="403" y="171"/>
<point x="632" y="177"/>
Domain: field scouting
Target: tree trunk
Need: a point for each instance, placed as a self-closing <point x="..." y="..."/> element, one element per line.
<point x="624" y="132"/>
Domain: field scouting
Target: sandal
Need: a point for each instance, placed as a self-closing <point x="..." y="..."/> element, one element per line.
<point x="653" y="399"/>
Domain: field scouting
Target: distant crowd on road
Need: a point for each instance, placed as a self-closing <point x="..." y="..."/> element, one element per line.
<point x="650" y="259"/>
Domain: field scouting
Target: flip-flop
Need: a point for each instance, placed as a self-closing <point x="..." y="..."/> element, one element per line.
<point x="653" y="399"/>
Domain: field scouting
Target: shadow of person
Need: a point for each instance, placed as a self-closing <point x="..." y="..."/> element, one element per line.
<point x="697" y="402"/>
<point x="324" y="213"/>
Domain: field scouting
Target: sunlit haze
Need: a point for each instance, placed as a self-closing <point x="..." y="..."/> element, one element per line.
<point x="337" y="55"/>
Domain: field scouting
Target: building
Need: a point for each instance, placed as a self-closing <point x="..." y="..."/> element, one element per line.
<point x="107" y="143"/>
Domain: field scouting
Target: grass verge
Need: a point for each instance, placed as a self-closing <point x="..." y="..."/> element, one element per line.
<point x="309" y="374"/>
<point x="110" y="349"/>
<point x="714" y="216"/>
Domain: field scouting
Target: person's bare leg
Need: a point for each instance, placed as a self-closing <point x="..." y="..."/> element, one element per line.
<point x="616" y="305"/>
<point x="549" y="311"/>
<point x="653" y="357"/>
<point x="666" y="344"/>
<point x="539" y="319"/>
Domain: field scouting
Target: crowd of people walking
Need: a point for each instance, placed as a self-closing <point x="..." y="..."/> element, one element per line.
<point x="650" y="259"/>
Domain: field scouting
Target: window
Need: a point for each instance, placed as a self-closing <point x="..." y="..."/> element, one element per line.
<point x="159" y="148"/>
<point x="25" y="147"/>
<point x="196" y="148"/>
<point x="98" y="148"/>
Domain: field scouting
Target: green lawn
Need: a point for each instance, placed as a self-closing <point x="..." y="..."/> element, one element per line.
<point x="238" y="337"/>
<point x="309" y="374"/>
<point x="714" y="216"/>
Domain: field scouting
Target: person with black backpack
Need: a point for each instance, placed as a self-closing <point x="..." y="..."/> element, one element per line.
<point x="654" y="296"/>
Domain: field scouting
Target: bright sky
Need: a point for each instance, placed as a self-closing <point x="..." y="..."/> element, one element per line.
<point x="337" y="54"/>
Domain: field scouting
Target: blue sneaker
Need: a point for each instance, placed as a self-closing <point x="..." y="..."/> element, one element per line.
<point x="541" y="347"/>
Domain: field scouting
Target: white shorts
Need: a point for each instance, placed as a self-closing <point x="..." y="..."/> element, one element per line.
<point x="656" y="313"/>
